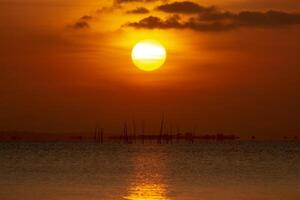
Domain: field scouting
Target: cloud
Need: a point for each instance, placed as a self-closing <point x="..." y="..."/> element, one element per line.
<point x="152" y="22"/>
<point x="175" y="22"/>
<point x="140" y="10"/>
<point x="107" y="9"/>
<point x="86" y="17"/>
<point x="197" y="17"/>
<point x="82" y="22"/>
<point x="126" y="1"/>
<point x="211" y="19"/>
<point x="119" y="2"/>
<point x="270" y="18"/>
<point x="252" y="19"/>
<point x="81" y="25"/>
<point x="185" y="7"/>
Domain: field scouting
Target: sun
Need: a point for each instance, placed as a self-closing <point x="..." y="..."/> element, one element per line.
<point x="148" y="55"/>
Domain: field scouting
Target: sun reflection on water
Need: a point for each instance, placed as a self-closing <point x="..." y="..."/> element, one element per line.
<point x="147" y="192"/>
<point x="147" y="182"/>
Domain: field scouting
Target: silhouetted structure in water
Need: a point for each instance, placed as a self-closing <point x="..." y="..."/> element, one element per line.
<point x="161" y="130"/>
<point x="101" y="136"/>
<point x="165" y="135"/>
<point x="143" y="132"/>
<point x="98" y="136"/>
<point x="167" y="138"/>
<point x="125" y="133"/>
<point x="134" y="131"/>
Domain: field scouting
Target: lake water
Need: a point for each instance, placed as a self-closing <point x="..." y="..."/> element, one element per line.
<point x="201" y="171"/>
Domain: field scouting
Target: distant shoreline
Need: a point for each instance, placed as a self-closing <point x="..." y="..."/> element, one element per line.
<point x="17" y="136"/>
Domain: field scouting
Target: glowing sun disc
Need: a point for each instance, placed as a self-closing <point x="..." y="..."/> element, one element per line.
<point x="148" y="55"/>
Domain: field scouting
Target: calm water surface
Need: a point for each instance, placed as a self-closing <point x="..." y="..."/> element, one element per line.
<point x="201" y="171"/>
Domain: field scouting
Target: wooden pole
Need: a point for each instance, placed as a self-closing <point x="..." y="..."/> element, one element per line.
<point x="161" y="130"/>
<point x="125" y="133"/>
<point x="101" y="136"/>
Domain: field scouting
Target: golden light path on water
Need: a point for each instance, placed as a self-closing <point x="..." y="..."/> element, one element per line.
<point x="147" y="192"/>
<point x="147" y="181"/>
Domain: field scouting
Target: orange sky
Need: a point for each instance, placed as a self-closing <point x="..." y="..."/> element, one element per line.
<point x="232" y="66"/>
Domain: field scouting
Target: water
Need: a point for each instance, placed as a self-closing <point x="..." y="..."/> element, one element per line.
<point x="201" y="171"/>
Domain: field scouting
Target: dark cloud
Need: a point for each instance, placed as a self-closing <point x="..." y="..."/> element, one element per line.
<point x="118" y="2"/>
<point x="82" y="22"/>
<point x="106" y="9"/>
<point x="213" y="20"/>
<point x="175" y="23"/>
<point x="185" y="7"/>
<point x="81" y="25"/>
<point x="252" y="19"/>
<point x="270" y="18"/>
<point x="126" y="1"/>
<point x="155" y="22"/>
<point x="86" y="17"/>
<point x="140" y="10"/>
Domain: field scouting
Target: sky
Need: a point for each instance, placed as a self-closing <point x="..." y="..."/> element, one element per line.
<point x="232" y="66"/>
